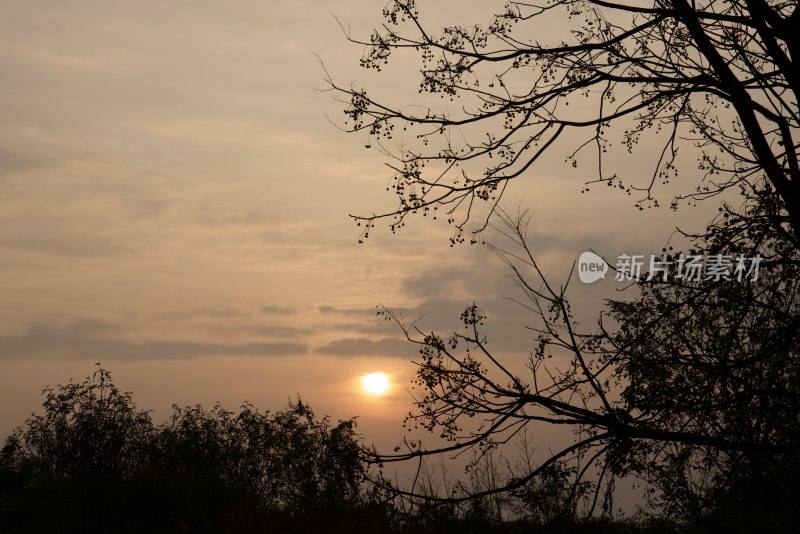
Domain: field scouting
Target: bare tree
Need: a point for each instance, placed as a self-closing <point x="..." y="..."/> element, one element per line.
<point x="719" y="78"/>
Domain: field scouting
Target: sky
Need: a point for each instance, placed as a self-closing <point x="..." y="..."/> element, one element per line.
<point x="175" y="206"/>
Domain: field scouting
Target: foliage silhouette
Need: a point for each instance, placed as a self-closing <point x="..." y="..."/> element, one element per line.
<point x="692" y="386"/>
<point x="93" y="462"/>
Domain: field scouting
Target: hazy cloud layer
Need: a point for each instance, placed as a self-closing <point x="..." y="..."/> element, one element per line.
<point x="80" y="341"/>
<point x="168" y="170"/>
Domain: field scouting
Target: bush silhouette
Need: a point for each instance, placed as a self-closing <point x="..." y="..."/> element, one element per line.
<point x="93" y="462"/>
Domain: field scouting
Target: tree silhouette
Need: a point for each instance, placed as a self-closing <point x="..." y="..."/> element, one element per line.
<point x="716" y="78"/>
<point x="693" y="384"/>
<point x="88" y="428"/>
<point x="93" y="462"/>
<point x="284" y="460"/>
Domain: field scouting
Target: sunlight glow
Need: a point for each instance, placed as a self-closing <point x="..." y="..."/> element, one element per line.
<point x="375" y="383"/>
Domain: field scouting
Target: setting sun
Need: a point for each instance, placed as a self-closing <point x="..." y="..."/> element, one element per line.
<point x="375" y="383"/>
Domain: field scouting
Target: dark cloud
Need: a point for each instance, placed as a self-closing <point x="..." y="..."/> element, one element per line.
<point x="80" y="341"/>
<point x="442" y="293"/>
<point x="504" y="327"/>
<point x="14" y="160"/>
<point x="370" y="326"/>
<point x="368" y="347"/>
<point x="87" y="327"/>
<point x="279" y="330"/>
<point x="347" y="311"/>
<point x="222" y="312"/>
<point x="249" y="218"/>
<point x="443" y="281"/>
<point x="273" y="309"/>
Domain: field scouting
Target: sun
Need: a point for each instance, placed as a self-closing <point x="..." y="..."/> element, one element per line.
<point x="375" y="383"/>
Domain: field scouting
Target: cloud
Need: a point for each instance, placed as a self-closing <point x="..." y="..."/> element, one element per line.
<point x="368" y="347"/>
<point x="376" y="326"/>
<point x="67" y="246"/>
<point x="71" y="61"/>
<point x="442" y="281"/>
<point x="222" y="312"/>
<point x="279" y="331"/>
<point x="80" y="341"/>
<point x="347" y="311"/>
<point x="87" y="327"/>
<point x="274" y="309"/>
<point x="15" y="160"/>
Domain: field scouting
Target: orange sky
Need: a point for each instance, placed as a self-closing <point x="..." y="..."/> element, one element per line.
<point x="175" y="206"/>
